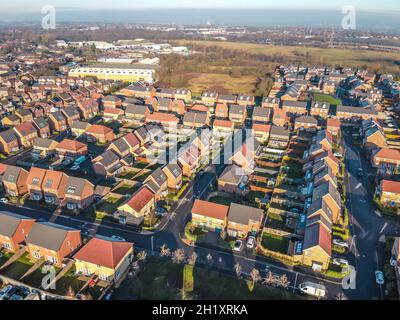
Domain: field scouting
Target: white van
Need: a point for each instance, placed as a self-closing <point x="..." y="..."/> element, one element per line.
<point x="313" y="289"/>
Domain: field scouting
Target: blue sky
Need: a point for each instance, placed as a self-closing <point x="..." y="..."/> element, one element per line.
<point x="20" y="6"/>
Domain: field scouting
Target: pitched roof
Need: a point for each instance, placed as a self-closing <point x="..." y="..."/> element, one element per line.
<point x="8" y="135"/>
<point x="232" y="174"/>
<point x="98" y="129"/>
<point x="386" y="153"/>
<point x="105" y="253"/>
<point x="25" y="128"/>
<point x="140" y="198"/>
<point x="239" y="213"/>
<point x="48" y="235"/>
<point x="36" y="176"/>
<point x="317" y="235"/>
<point x="9" y="223"/>
<point x="71" y="145"/>
<point x="223" y="123"/>
<point x="391" y="186"/>
<point x="12" y="173"/>
<point x="333" y="123"/>
<point x="258" y="127"/>
<point x="162" y="117"/>
<point x="210" y="209"/>
<point x="174" y="168"/>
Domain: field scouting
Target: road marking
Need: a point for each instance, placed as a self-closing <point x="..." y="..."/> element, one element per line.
<point x="359" y="185"/>
<point x="383" y="228"/>
<point x="378" y="213"/>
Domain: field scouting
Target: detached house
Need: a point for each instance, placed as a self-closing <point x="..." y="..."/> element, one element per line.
<point x="279" y="137"/>
<point x="43" y="147"/>
<point x="78" y="128"/>
<point x="157" y="182"/>
<point x="71" y="149"/>
<point x="71" y="114"/>
<point x="13" y="230"/>
<point x="317" y="247"/>
<point x="42" y="127"/>
<point x="24" y="115"/>
<point x="99" y="133"/>
<point x="245" y="100"/>
<point x="209" y="216"/>
<point x="57" y="121"/>
<point x="52" y="242"/>
<point x="237" y="113"/>
<point x="389" y="193"/>
<point x="244" y="220"/>
<point x="189" y="160"/>
<point x="26" y="134"/>
<point x="125" y="145"/>
<point x="8" y="142"/>
<point x="10" y="121"/>
<point x="88" y="108"/>
<point x="136" y="113"/>
<point x="105" y="258"/>
<point x="137" y="207"/>
<point x="231" y="178"/>
<point x="174" y="176"/>
<point x="14" y="181"/>
<point x="107" y="164"/>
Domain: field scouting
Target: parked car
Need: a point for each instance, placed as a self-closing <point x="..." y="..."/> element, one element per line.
<point x="238" y="245"/>
<point x="251" y="242"/>
<point x="338" y="155"/>
<point x="4" y="200"/>
<point x="160" y="211"/>
<point x="117" y="238"/>
<point x="379" y="277"/>
<point x="75" y="167"/>
<point x="313" y="289"/>
<point x="340" y="243"/>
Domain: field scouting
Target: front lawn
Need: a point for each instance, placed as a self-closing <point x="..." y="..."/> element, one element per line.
<point x="221" y="200"/>
<point x="275" y="243"/>
<point x="127" y="189"/>
<point x="18" y="268"/>
<point x="68" y="284"/>
<point x="110" y="204"/>
<point x="320" y="97"/>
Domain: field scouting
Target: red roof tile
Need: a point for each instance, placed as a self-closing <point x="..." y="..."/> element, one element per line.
<point x="386" y="153"/>
<point x="261" y="127"/>
<point x="210" y="209"/>
<point x="104" y="253"/>
<point x="390" y="186"/>
<point x="142" y="197"/>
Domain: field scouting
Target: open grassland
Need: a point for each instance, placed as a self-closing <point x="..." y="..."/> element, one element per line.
<point x="389" y="61"/>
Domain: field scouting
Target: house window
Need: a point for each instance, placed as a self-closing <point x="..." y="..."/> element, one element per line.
<point x="103" y="276"/>
<point x="36" y="254"/>
<point x="71" y="190"/>
<point x="7" y="245"/>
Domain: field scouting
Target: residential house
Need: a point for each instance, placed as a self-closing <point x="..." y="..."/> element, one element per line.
<point x="136" y="113"/>
<point x="325" y="174"/>
<point x="24" y="115"/>
<point x="42" y="127"/>
<point x="346" y="113"/>
<point x="53" y="186"/>
<point x="261" y="131"/>
<point x="244" y="220"/>
<point x="227" y="98"/>
<point x="389" y="193"/>
<point x="387" y="158"/>
<point x="328" y="192"/>
<point x="14" y="181"/>
<point x="271" y="102"/>
<point x="79" y="193"/>
<point x="57" y="121"/>
<point x="113" y="114"/>
<point x="26" y="134"/>
<point x="237" y="113"/>
<point x="138" y="91"/>
<point x="193" y="119"/>
<point x="10" y="120"/>
<point x="189" y="160"/>
<point x="71" y="149"/>
<point x="13" y="230"/>
<point x="52" y="242"/>
<point x="333" y="127"/>
<point x="224" y="126"/>
<point x="174" y="176"/>
<point x="99" y="133"/>
<point x="78" y="128"/>
<point x="280" y="117"/>
<point x="279" y="137"/>
<point x="262" y="115"/>
<point x="304" y="122"/>
<point x="164" y="105"/>
<point x="245" y="100"/>
<point x="221" y="111"/>
<point x="374" y="138"/>
<point x="88" y="108"/>
<point x="107" y="259"/>
<point x="71" y="114"/>
<point x="125" y="145"/>
<point x="317" y="247"/>
<point x="294" y="107"/>
<point x="107" y="164"/>
<point x="231" y="179"/>
<point x="209" y="216"/>
<point x="209" y="98"/>
<point x="157" y="182"/>
<point x="320" y="109"/>
<point x="167" y="120"/>
<point x="34" y="183"/>
<point x="43" y="147"/>
<point x="137" y="207"/>
<point x="183" y="94"/>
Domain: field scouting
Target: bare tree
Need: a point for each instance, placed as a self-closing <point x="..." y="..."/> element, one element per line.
<point x="193" y="259"/>
<point x="283" y="281"/>
<point x="269" y="280"/>
<point x="165" y="251"/>
<point x="178" y="256"/>
<point x="255" y="275"/>
<point x="238" y="270"/>
<point x="141" y="256"/>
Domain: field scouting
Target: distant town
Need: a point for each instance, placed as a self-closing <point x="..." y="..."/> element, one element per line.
<point x="110" y="178"/>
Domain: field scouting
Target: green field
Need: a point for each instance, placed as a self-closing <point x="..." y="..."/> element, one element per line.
<point x="161" y="279"/>
<point x="320" y="97"/>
